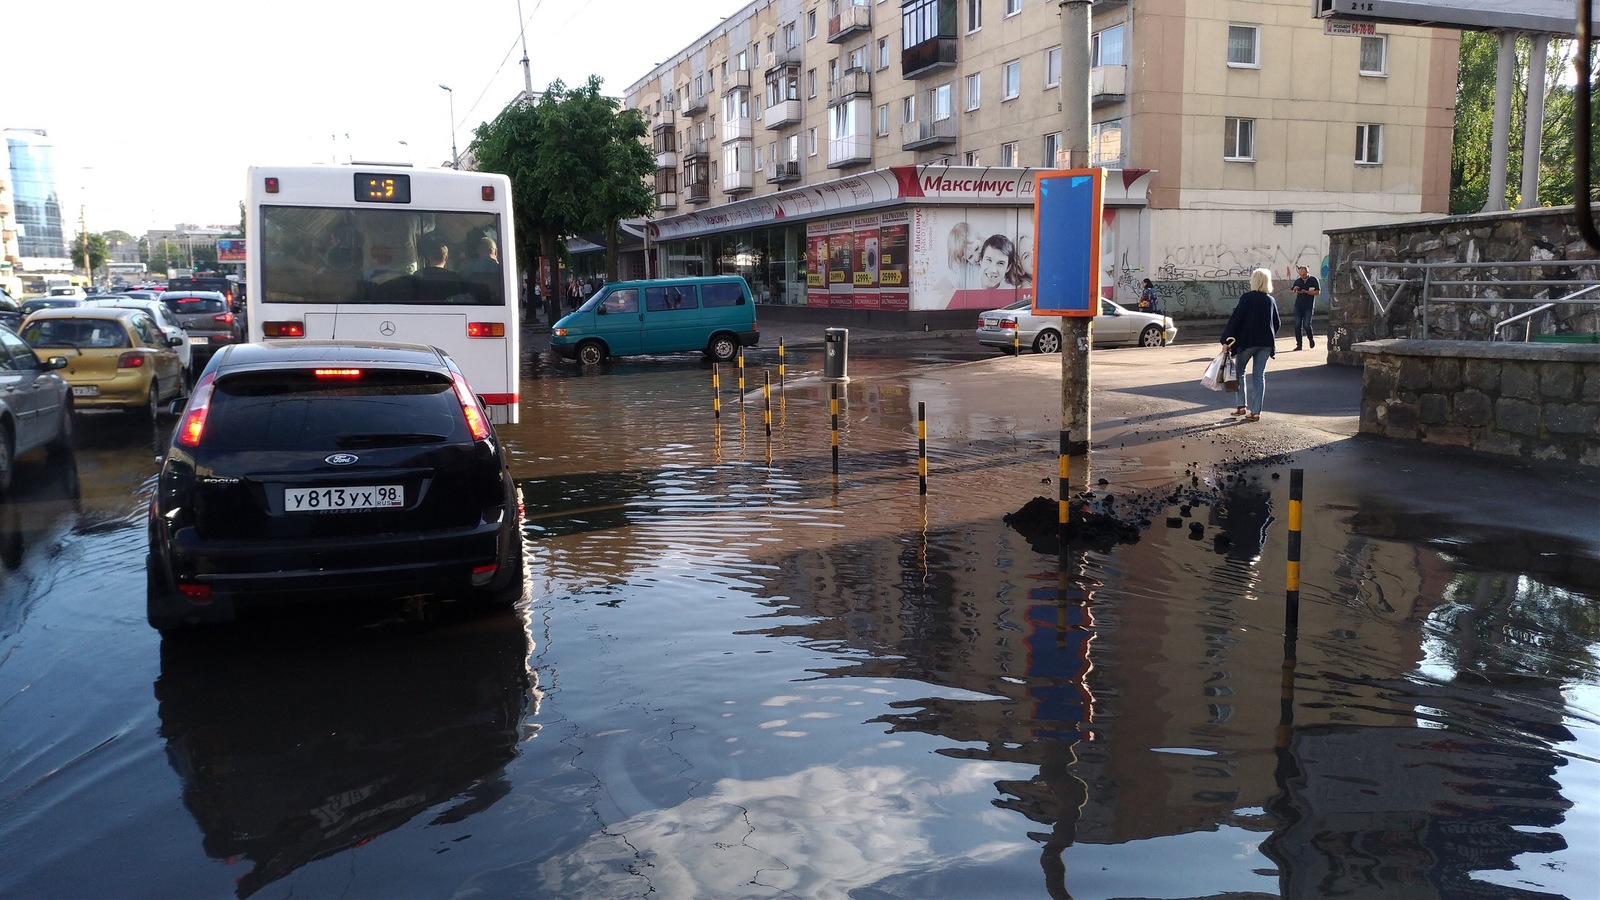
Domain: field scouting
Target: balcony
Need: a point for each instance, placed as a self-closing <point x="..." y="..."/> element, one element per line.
<point x="922" y="134"/>
<point x="666" y="160"/>
<point x="849" y="150"/>
<point x="786" y="112"/>
<point x="697" y="106"/>
<point x="699" y="193"/>
<point x="738" y="80"/>
<point x="1108" y="84"/>
<point x="784" y="60"/>
<point x="852" y="84"/>
<point x="736" y="130"/>
<point x="852" y="19"/>
<point x="666" y="120"/>
<point x="666" y="200"/>
<point x="738" y="181"/>
<point x="698" y="149"/>
<point x="928" y="57"/>
<point x="783" y="171"/>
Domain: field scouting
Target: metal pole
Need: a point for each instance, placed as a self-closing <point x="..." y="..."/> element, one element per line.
<point x="455" y="158"/>
<point x="527" y="73"/>
<point x="922" y="448"/>
<point x="833" y="426"/>
<point x="782" y="389"/>
<point x="1291" y="618"/>
<point x="1075" y="139"/>
<point x="766" y="412"/>
<point x="741" y="387"/>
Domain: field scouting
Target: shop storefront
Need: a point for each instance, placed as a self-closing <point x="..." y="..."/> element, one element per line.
<point x="902" y="239"/>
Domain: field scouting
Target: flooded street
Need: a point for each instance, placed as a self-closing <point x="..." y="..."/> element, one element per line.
<point x="743" y="676"/>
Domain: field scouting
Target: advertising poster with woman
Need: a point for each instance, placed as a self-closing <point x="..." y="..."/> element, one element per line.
<point x="817" y="264"/>
<point x="894" y="248"/>
<point x="972" y="258"/>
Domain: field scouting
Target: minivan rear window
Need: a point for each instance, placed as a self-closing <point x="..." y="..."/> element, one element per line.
<point x="722" y="294"/>
<point x="676" y="297"/>
<point x="298" y="410"/>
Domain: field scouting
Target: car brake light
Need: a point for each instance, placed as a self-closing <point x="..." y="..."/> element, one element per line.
<point x="283" y="329"/>
<point x="225" y="318"/>
<point x="486" y="329"/>
<point x="133" y="359"/>
<point x="476" y="423"/>
<point x="337" y="373"/>
<point x="194" y="417"/>
<point x="197" y="593"/>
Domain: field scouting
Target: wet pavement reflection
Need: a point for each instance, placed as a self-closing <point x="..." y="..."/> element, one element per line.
<point x="743" y="677"/>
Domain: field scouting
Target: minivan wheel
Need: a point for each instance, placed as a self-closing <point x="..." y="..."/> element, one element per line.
<point x="591" y="353"/>
<point x="723" y="348"/>
<point x="1150" y="336"/>
<point x="1047" y="342"/>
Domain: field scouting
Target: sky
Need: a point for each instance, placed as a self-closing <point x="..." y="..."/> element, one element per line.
<point x="155" y="110"/>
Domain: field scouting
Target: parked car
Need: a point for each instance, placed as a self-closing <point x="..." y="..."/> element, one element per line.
<point x="1116" y="324"/>
<point x="211" y="323"/>
<point x="165" y="320"/>
<point x="713" y="315"/>
<point x="10" y="311"/>
<point x="116" y="358"/>
<point x="321" y="473"/>
<point x="33" y="305"/>
<point x="35" y="405"/>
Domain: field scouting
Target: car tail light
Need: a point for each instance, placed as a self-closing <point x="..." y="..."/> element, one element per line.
<point x="476" y="423"/>
<point x="194" y="416"/>
<point x="197" y="593"/>
<point x="133" y="359"/>
<point x="486" y="329"/>
<point x="283" y="329"/>
<point x="336" y="373"/>
<point x="225" y="318"/>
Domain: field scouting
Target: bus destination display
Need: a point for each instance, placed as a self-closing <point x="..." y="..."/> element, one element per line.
<point x="372" y="188"/>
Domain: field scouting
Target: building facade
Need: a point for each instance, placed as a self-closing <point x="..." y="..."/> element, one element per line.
<point x="802" y="143"/>
<point x="35" y="207"/>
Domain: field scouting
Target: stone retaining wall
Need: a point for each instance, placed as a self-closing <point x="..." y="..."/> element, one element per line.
<point x="1536" y="401"/>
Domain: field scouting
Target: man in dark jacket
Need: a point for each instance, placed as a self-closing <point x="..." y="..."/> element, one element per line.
<point x="1305" y="290"/>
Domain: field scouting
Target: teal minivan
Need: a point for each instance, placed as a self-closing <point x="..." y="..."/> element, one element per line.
<point x="715" y="315"/>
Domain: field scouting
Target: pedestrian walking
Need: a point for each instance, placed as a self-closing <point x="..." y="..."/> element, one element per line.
<point x="1148" y="301"/>
<point x="1305" y="290"/>
<point x="1252" y="333"/>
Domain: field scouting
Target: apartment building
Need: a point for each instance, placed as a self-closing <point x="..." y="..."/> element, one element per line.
<point x="869" y="154"/>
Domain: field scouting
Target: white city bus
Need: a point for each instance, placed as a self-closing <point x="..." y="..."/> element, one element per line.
<point x="386" y="253"/>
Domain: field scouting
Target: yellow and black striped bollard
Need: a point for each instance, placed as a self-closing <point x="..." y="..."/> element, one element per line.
<point x="922" y="448"/>
<point x="833" y="415"/>
<point x="741" y="387"/>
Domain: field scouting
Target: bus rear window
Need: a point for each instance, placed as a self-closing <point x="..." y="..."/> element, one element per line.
<point x="383" y="255"/>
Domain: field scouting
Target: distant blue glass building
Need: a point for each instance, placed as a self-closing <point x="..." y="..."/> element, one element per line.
<point x="33" y="186"/>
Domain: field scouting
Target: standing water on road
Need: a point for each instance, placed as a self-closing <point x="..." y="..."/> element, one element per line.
<point x="748" y="678"/>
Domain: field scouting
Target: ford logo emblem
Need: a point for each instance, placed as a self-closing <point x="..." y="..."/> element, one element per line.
<point x="342" y="459"/>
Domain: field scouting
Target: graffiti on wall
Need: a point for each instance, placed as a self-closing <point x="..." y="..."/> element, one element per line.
<point x="1220" y="260"/>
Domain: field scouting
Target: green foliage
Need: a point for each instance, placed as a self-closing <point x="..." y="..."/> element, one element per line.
<point x="166" y="255"/>
<point x="97" y="251"/>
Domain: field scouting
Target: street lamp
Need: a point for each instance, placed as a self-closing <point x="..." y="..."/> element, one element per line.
<point x="454" y="158"/>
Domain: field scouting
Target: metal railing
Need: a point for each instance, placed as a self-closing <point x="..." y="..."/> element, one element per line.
<point x="1446" y="283"/>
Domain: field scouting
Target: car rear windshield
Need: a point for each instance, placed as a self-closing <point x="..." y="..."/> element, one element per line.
<point x="301" y="410"/>
<point x="85" y="334"/>
<point x="187" y="305"/>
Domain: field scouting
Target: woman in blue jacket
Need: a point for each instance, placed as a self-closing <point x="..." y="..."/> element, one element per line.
<point x="1252" y="332"/>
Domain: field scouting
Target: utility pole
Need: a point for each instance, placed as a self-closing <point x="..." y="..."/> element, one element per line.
<point x="83" y="229"/>
<point x="527" y="73"/>
<point x="1075" y="141"/>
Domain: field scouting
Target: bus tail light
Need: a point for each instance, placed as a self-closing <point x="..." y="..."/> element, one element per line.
<point x="271" y="183"/>
<point x="283" y="329"/>
<point x="476" y="423"/>
<point x="486" y="329"/>
<point x="133" y="359"/>
<point x="488" y="193"/>
<point x="194" y="417"/>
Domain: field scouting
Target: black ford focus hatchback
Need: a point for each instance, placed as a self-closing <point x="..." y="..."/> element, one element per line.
<point x="318" y="472"/>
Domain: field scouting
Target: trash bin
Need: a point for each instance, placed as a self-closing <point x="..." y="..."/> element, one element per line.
<point x="836" y="354"/>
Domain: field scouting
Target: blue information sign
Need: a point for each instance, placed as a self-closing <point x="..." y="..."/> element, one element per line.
<point x="1066" y="228"/>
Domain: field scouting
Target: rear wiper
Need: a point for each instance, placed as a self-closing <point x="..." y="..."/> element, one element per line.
<point x="389" y="439"/>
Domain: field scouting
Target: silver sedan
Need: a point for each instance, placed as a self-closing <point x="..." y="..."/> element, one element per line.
<point x="1016" y="325"/>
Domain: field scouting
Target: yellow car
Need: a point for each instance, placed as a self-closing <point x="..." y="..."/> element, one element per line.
<point x="116" y="358"/>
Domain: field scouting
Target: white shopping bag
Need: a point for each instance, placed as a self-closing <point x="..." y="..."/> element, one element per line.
<point x="1213" y="378"/>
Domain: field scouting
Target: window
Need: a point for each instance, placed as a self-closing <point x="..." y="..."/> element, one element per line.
<point x="811" y="82"/>
<point x="743" y="61"/>
<point x="811" y="24"/>
<point x="811" y="142"/>
<point x="833" y="70"/>
<point x="1369" y="144"/>
<point x="1375" y="55"/>
<point x="1008" y="155"/>
<point x="664" y="298"/>
<point x="724" y="72"/>
<point x="1052" y="149"/>
<point x="908" y="109"/>
<point x="789" y="40"/>
<point x="794" y="148"/>
<point x="1011" y="80"/>
<point x="833" y="9"/>
<point x="760" y="158"/>
<point x="1105" y="47"/>
<point x="858" y="59"/>
<point x="1013" y="7"/>
<point x="974" y="90"/>
<point x="842" y="123"/>
<point x="883" y="53"/>
<point x="1105" y="142"/>
<point x="939" y="102"/>
<point x="974" y="15"/>
<point x="1052" y="67"/>
<point x="1244" y="46"/>
<point x="922" y="21"/>
<point x="1238" y="138"/>
<point x="883" y="120"/>
<point x="771" y="44"/>
<point x="971" y="159"/>
<point x="722" y="294"/>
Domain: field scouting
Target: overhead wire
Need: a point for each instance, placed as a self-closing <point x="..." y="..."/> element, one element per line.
<point x="501" y="68"/>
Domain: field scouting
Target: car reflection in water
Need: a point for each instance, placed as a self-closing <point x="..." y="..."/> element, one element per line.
<point x="45" y="492"/>
<point x="292" y="748"/>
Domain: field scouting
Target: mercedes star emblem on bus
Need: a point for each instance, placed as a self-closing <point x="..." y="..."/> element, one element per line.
<point x="386" y="327"/>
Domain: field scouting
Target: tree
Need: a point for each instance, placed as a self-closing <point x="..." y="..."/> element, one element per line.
<point x="97" y="252"/>
<point x="167" y="255"/>
<point x="576" y="165"/>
